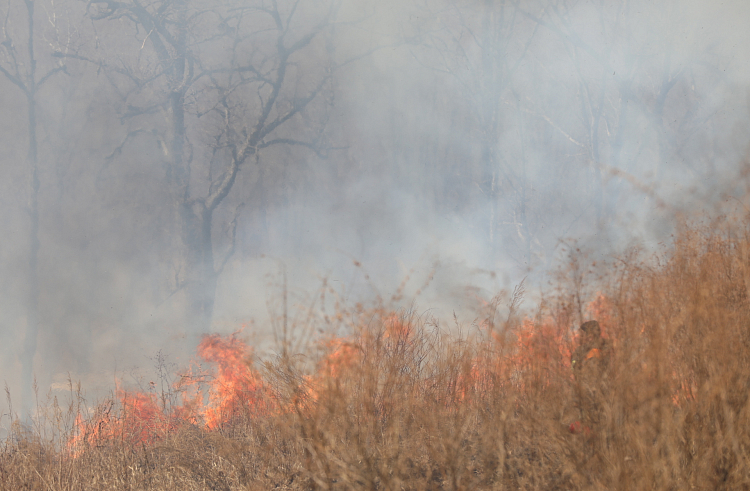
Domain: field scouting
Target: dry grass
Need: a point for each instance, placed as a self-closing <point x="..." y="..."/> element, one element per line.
<point x="400" y="404"/>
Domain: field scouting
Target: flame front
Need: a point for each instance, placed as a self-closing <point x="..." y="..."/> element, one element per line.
<point x="209" y="399"/>
<point x="237" y="389"/>
<point x="537" y="352"/>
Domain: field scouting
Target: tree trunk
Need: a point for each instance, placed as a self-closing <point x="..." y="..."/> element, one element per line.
<point x="32" y="301"/>
<point x="201" y="275"/>
<point x="490" y="111"/>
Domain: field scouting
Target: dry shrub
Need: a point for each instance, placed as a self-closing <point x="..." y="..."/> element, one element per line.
<point x="677" y="416"/>
<point x="404" y="404"/>
<point x="502" y="409"/>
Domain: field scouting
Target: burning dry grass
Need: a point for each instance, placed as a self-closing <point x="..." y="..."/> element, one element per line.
<point x="400" y="404"/>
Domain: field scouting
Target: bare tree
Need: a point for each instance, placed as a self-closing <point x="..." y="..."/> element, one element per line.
<point x="213" y="84"/>
<point x="639" y="109"/>
<point x="567" y="111"/>
<point x="481" y="47"/>
<point x="19" y="66"/>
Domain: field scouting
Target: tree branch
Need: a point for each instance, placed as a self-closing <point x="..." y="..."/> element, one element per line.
<point x="14" y="80"/>
<point x="298" y="106"/>
<point x="320" y="152"/>
<point x="233" y="235"/>
<point x="61" y="68"/>
<point x="128" y="137"/>
<point x="101" y="64"/>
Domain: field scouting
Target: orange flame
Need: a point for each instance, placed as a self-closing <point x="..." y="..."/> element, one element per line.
<point x="236" y="389"/>
<point x="342" y="354"/>
<point x="233" y="388"/>
<point x="140" y="420"/>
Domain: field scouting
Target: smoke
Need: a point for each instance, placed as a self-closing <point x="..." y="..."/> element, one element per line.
<point x="468" y="145"/>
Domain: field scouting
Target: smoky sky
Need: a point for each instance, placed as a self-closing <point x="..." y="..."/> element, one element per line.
<point x="474" y="143"/>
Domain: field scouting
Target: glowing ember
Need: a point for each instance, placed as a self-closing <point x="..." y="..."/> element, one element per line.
<point x="576" y="428"/>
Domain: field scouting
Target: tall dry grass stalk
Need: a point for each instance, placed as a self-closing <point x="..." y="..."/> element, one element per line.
<point x="400" y="404"/>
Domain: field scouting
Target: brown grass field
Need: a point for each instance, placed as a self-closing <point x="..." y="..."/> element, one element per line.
<point x="400" y="404"/>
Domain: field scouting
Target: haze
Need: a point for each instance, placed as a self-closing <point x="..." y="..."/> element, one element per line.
<point x="192" y="157"/>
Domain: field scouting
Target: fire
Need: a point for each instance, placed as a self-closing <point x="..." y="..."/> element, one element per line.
<point x="683" y="384"/>
<point x="98" y="429"/>
<point x="209" y="399"/>
<point x="541" y="344"/>
<point x="236" y="389"/>
<point x="341" y="354"/>
<point x="140" y="420"/>
<point x="397" y="329"/>
<point x="537" y="351"/>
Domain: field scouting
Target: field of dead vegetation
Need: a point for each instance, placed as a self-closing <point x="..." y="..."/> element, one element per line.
<point x="402" y="403"/>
